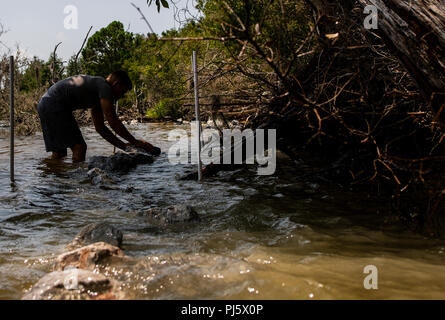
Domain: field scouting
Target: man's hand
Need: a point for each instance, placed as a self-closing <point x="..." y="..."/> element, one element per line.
<point x="147" y="147"/>
<point x="109" y="112"/>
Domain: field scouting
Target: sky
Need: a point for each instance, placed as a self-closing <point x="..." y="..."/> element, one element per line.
<point x="36" y="26"/>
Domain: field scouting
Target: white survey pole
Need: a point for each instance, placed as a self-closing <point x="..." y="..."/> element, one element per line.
<point x="11" y="118"/>
<point x="198" y="124"/>
<point x="117" y="108"/>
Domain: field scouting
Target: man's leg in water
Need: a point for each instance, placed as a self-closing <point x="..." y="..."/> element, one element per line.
<point x="58" y="155"/>
<point x="79" y="152"/>
<point x="60" y="130"/>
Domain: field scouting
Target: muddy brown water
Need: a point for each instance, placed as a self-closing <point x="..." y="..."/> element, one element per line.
<point x="284" y="236"/>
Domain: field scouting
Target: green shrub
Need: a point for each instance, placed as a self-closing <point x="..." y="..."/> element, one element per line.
<point x="166" y="108"/>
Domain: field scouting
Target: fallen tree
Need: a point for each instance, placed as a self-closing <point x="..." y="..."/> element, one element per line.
<point x="414" y="31"/>
<point x="366" y="101"/>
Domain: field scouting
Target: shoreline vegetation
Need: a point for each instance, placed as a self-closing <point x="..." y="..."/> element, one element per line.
<point x="366" y="103"/>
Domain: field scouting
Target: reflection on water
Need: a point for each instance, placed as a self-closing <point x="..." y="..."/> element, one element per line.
<point x="284" y="236"/>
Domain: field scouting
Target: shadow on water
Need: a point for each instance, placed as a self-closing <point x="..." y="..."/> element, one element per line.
<point x="284" y="236"/>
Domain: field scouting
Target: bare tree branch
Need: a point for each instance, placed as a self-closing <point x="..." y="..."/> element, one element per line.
<point x="80" y="50"/>
<point x="143" y="17"/>
<point x="53" y="65"/>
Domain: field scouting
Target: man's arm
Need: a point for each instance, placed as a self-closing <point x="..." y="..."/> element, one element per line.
<point x="114" y="122"/>
<point x="98" y="120"/>
<point x="107" y="110"/>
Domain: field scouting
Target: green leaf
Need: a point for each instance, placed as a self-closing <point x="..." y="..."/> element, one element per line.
<point x="158" y="4"/>
<point x="165" y="3"/>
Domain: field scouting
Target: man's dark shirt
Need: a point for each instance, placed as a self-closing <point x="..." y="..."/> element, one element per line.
<point x="80" y="92"/>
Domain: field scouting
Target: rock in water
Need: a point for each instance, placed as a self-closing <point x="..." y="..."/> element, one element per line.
<point x="188" y="176"/>
<point x="99" y="177"/>
<point x="170" y="215"/>
<point x="209" y="170"/>
<point x="75" y="284"/>
<point x="99" y="232"/>
<point x="119" y="162"/>
<point x="132" y="149"/>
<point x="90" y="256"/>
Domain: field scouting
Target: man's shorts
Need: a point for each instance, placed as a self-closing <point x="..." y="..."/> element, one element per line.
<point x="59" y="127"/>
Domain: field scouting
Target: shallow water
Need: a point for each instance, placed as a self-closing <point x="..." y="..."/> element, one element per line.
<point x="284" y="236"/>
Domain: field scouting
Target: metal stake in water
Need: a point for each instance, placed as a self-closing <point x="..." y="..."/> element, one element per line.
<point x="198" y="124"/>
<point x="11" y="117"/>
<point x="117" y="108"/>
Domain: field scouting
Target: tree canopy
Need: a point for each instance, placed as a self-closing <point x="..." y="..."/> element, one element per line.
<point x="108" y="49"/>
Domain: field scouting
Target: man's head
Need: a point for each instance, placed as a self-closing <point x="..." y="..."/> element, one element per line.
<point x="120" y="83"/>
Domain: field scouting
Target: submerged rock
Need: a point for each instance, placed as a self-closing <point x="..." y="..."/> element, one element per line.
<point x="187" y="176"/>
<point x="90" y="256"/>
<point x="99" y="177"/>
<point x="132" y="149"/>
<point x="169" y="215"/>
<point x="75" y="284"/>
<point x="99" y="232"/>
<point x="119" y="162"/>
<point x="209" y="170"/>
<point x="176" y="273"/>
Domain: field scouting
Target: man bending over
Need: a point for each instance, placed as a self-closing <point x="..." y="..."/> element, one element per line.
<point x="60" y="129"/>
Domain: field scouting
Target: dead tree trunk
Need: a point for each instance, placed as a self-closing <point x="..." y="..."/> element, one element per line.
<point x="415" y="32"/>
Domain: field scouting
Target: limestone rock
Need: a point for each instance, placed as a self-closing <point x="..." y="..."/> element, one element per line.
<point x="209" y="170"/>
<point x="88" y="257"/>
<point x="75" y="284"/>
<point x="99" y="177"/>
<point x="187" y="176"/>
<point x="169" y="215"/>
<point x="99" y="232"/>
<point x="119" y="162"/>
